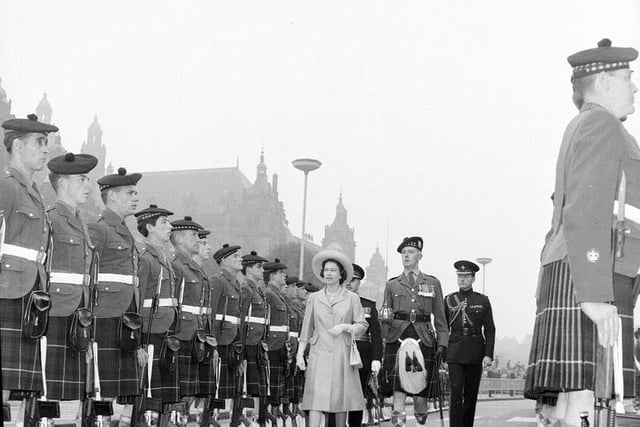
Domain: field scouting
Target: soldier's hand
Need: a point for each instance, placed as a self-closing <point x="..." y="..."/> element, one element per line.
<point x="300" y="362"/>
<point x="605" y="316"/>
<point x="441" y="353"/>
<point x="375" y="366"/>
<point x="486" y="362"/>
<point x="141" y="355"/>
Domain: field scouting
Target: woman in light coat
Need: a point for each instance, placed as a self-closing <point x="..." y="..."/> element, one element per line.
<point x="332" y="317"/>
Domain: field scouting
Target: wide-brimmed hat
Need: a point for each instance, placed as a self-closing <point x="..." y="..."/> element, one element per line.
<point x="322" y="256"/>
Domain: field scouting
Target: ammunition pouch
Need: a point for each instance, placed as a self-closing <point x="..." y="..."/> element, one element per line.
<point x="36" y="314"/>
<point x="80" y="330"/>
<point x="129" y="331"/>
<point x="263" y="354"/>
<point x="204" y="345"/>
<point x="235" y="355"/>
<point x="168" y="357"/>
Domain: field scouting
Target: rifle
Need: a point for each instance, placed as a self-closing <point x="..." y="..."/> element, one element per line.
<point x="604" y="414"/>
<point x="94" y="409"/>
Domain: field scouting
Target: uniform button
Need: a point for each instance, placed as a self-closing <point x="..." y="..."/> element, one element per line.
<point x="106" y="288"/>
<point x="30" y="214"/>
<point x="57" y="289"/>
<point x="71" y="240"/>
<point x="119" y="247"/>
<point x="7" y="265"/>
<point x="45" y="230"/>
<point x="413" y="300"/>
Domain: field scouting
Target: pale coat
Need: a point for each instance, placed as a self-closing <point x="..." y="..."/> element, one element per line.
<point x="332" y="384"/>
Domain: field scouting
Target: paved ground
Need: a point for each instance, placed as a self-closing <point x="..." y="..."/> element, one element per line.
<point x="494" y="413"/>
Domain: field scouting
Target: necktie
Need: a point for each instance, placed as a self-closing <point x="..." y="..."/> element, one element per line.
<point x="412" y="280"/>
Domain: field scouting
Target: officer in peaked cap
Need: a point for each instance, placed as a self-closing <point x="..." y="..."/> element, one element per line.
<point x="411" y="300"/>
<point x="580" y="267"/>
<point x="471" y="342"/>
<point x="26" y="242"/>
<point x="254" y="310"/>
<point x="69" y="275"/>
<point x="117" y="290"/>
<point x="228" y="317"/>
<point x="369" y="344"/>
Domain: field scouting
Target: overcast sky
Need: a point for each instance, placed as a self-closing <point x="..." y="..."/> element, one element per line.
<point x="436" y="118"/>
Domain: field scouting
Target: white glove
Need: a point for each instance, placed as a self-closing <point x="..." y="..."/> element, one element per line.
<point x="375" y="366"/>
<point x="338" y="329"/>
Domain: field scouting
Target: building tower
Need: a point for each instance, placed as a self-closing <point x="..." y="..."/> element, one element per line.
<point x="94" y="146"/>
<point x="338" y="235"/>
<point x="44" y="110"/>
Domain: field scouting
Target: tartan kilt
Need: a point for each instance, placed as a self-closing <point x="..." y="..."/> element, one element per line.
<point x="164" y="384"/>
<point x="298" y="386"/>
<point x="228" y="381"/>
<point x="207" y="379"/>
<point x="564" y="344"/>
<point x="66" y="370"/>
<point x="256" y="376"/>
<point x="189" y="370"/>
<point x="389" y="379"/>
<point x="119" y="376"/>
<point x="276" y="375"/>
<point x="21" y="368"/>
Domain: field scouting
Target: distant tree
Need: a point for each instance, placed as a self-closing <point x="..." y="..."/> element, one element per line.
<point x="289" y="254"/>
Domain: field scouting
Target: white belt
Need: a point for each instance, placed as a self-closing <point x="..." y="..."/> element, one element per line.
<point x="631" y="213"/>
<point x="279" y="328"/>
<point x="127" y="279"/>
<point x="293" y="334"/>
<point x="193" y="309"/>
<point x="69" y="278"/>
<point x="25" y="253"/>
<point x="259" y="320"/>
<point x="231" y="319"/>
<point x="162" y="302"/>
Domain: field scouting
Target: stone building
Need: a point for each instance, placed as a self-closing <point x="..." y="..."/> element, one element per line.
<point x="338" y="235"/>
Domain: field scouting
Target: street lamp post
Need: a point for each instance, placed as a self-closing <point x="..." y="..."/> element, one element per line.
<point x="484" y="262"/>
<point x="306" y="166"/>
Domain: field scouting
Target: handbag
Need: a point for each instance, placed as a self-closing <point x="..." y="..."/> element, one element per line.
<point x="129" y="331"/>
<point x="80" y="330"/>
<point x="354" y="359"/>
<point x="36" y="314"/>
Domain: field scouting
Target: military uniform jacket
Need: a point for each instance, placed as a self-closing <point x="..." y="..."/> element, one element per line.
<point x="279" y="317"/>
<point x="152" y="260"/>
<point x="373" y="333"/>
<point x="226" y="298"/>
<point x="425" y="298"/>
<point x="596" y="149"/>
<point x="193" y="295"/>
<point x="254" y="308"/>
<point x="118" y="254"/>
<point x="27" y="226"/>
<point x="472" y="331"/>
<point x="71" y="255"/>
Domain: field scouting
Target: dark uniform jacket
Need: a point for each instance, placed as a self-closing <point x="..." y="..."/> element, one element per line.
<point x="118" y="254"/>
<point x="70" y="261"/>
<point x="425" y="298"/>
<point x="370" y="343"/>
<point x="279" y="317"/>
<point x="472" y="334"/>
<point x="254" y="307"/>
<point x="152" y="260"/>
<point x="27" y="226"/>
<point x="596" y="149"/>
<point x="226" y="298"/>
<point x="193" y="295"/>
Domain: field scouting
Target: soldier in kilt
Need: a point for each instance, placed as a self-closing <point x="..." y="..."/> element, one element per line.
<point x="159" y="305"/>
<point x="302" y="290"/>
<point x="295" y="323"/>
<point x="66" y="367"/>
<point x="226" y="302"/>
<point x="117" y="290"/>
<point x="26" y="239"/>
<point x="590" y="261"/>
<point x="278" y="332"/>
<point x="192" y="290"/>
<point x="254" y="308"/>
<point x="410" y="301"/>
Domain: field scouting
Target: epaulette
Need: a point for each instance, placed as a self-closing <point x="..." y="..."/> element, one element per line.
<point x="394" y="278"/>
<point x="50" y="208"/>
<point x="368" y="299"/>
<point x="142" y="248"/>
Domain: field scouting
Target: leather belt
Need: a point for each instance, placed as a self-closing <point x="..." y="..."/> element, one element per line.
<point x="279" y="328"/>
<point x="194" y="309"/>
<point x="466" y="331"/>
<point x="69" y="278"/>
<point x="24" y="253"/>
<point x="127" y="279"/>
<point x="231" y="319"/>
<point x="413" y="317"/>
<point x="258" y="320"/>
<point x="162" y="302"/>
<point x="293" y="334"/>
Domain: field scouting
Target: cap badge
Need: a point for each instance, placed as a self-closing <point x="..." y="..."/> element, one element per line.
<point x="593" y="255"/>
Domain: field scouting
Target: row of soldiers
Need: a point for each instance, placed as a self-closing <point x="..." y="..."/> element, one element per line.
<point x="87" y="314"/>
